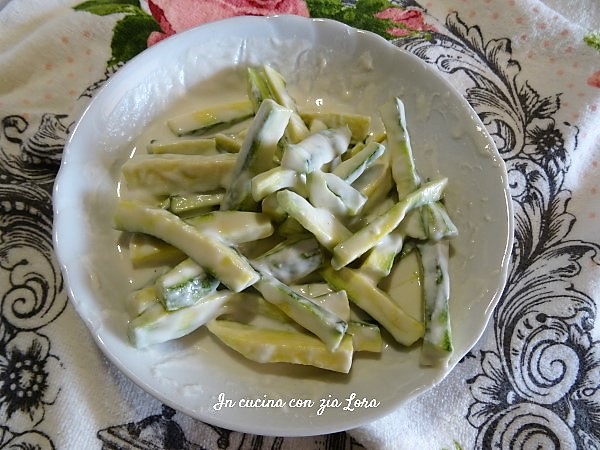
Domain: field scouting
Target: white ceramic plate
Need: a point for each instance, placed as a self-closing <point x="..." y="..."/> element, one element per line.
<point x="328" y="65"/>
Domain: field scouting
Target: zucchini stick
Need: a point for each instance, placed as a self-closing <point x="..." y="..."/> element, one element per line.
<point x="140" y="300"/>
<point x="207" y="118"/>
<point x="350" y="169"/>
<point x="312" y="153"/>
<point x="176" y="174"/>
<point x="199" y="146"/>
<point x="436" y="222"/>
<point x="256" y="154"/>
<point x="148" y="251"/>
<point x="273" y="180"/>
<point x="328" y="230"/>
<point x="296" y="129"/>
<point x="258" y="89"/>
<point x="328" y="191"/>
<point x="192" y="203"/>
<point x="359" y="124"/>
<point x="366" y="337"/>
<point x="398" y="144"/>
<point x="292" y="260"/>
<point x="375" y="183"/>
<point x="437" y="340"/>
<point x="156" y="325"/>
<point x="184" y="285"/>
<point x="375" y="302"/>
<point x="218" y="258"/>
<point x="266" y="345"/>
<point x="380" y="260"/>
<point x="303" y="310"/>
<point x="368" y="236"/>
<point x="234" y="227"/>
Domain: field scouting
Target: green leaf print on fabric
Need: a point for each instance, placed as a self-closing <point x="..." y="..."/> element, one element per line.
<point x="130" y="33"/>
<point x="106" y="7"/>
<point x="361" y="15"/>
<point x="130" y="37"/>
<point x="593" y="39"/>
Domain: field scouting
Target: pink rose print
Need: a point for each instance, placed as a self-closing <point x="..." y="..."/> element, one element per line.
<point x="594" y="79"/>
<point x="407" y="20"/>
<point x="174" y="16"/>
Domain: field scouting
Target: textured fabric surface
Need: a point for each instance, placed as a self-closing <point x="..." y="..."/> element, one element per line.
<point x="531" y="71"/>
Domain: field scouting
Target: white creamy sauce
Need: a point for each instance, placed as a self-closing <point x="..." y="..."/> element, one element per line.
<point x="184" y="272"/>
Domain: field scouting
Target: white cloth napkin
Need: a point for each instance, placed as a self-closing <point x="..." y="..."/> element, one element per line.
<point x="531" y="381"/>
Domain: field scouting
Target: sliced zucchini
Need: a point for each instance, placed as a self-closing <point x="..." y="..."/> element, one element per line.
<point x="189" y="204"/>
<point x="270" y="206"/>
<point x="312" y="290"/>
<point x="316" y="150"/>
<point x="218" y="258"/>
<point x="437" y="222"/>
<point x="376" y="303"/>
<point x="256" y="154"/>
<point x="314" y="126"/>
<point x="328" y="230"/>
<point x="369" y="236"/>
<point x="266" y="345"/>
<point x="184" y="285"/>
<point x="177" y="174"/>
<point x="303" y="310"/>
<point x="437" y="341"/>
<point x="140" y="300"/>
<point x="335" y="302"/>
<point x="148" y="251"/>
<point x="228" y="143"/>
<point x="398" y="144"/>
<point x="199" y="146"/>
<point x="208" y="118"/>
<point x="275" y="179"/>
<point x="404" y="284"/>
<point x="296" y="129"/>
<point x="292" y="259"/>
<point x="352" y="168"/>
<point x="375" y="183"/>
<point x="234" y="227"/>
<point x="412" y="225"/>
<point x="360" y="125"/>
<point x="290" y="228"/>
<point x="380" y="260"/>
<point x="366" y="337"/>
<point x="328" y="191"/>
<point x="258" y="89"/>
<point x="156" y="325"/>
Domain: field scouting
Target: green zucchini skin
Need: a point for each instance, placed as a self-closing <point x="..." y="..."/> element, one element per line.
<point x="157" y="325"/>
<point x="368" y="297"/>
<point x="184" y="285"/>
<point x="437" y="341"/>
<point x="368" y="236"/>
<point x="197" y="122"/>
<point x="307" y="313"/>
<point x="256" y="155"/>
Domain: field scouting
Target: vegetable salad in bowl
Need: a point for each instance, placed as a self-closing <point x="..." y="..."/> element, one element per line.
<point x="282" y="209"/>
<point x="336" y="207"/>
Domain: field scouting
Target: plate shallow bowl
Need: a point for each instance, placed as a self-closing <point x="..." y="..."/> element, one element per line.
<point x="327" y="65"/>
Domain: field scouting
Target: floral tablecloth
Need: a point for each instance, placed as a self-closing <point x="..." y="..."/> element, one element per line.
<point x="530" y="69"/>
